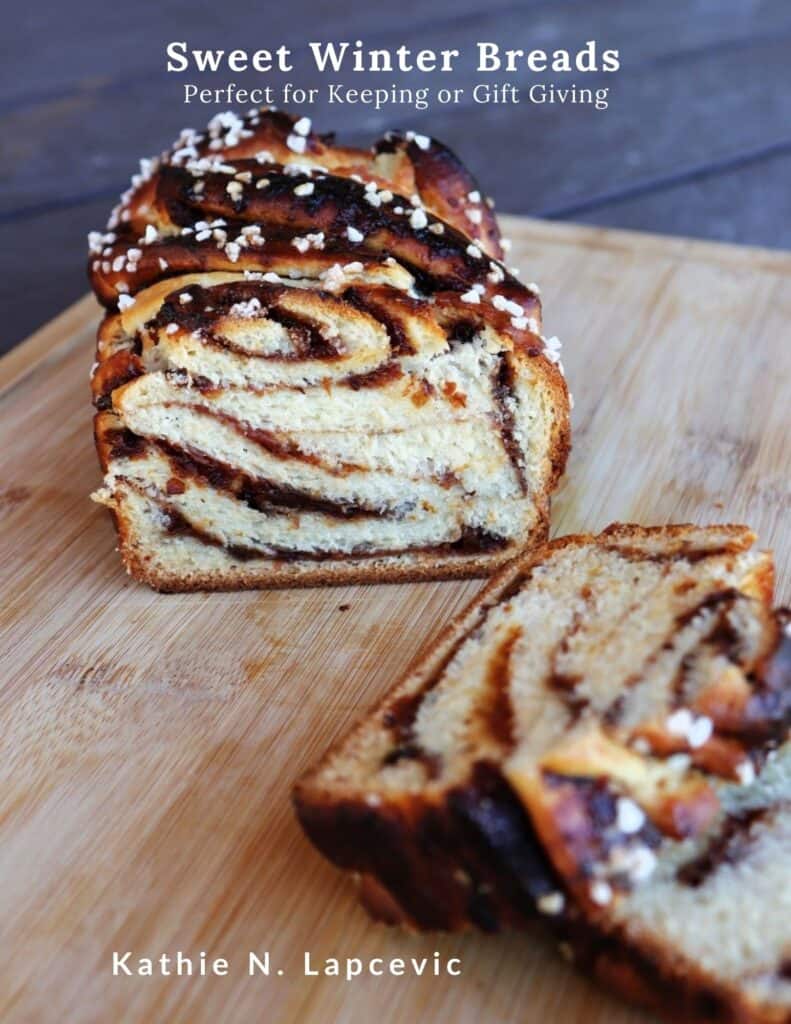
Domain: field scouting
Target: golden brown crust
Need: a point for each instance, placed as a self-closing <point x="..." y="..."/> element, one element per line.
<point x="165" y="198"/>
<point x="406" y="163"/>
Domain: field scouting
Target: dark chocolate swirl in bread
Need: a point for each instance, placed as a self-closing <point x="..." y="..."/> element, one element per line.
<point x="601" y="738"/>
<point x="331" y="374"/>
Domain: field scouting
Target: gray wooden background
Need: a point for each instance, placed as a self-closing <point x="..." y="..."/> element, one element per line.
<point x="696" y="141"/>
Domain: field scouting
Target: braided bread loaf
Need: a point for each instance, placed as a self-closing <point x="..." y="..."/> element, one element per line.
<point x="315" y="368"/>
<point x="580" y="735"/>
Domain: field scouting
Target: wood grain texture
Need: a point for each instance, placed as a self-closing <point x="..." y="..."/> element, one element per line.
<point x="695" y="141"/>
<point x="149" y="742"/>
<point x="698" y="83"/>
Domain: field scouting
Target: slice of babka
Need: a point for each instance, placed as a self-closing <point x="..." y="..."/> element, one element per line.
<point x="314" y="367"/>
<point x="583" y="731"/>
<point x="705" y="935"/>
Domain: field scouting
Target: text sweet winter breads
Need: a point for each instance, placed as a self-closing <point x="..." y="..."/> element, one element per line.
<point x="314" y="366"/>
<point x="581" y="743"/>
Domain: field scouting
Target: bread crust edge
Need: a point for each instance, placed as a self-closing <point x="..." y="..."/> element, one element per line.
<point x="443" y="869"/>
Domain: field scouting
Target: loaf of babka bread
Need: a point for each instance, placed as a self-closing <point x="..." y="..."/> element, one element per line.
<point x="315" y="368"/>
<point x="584" y="742"/>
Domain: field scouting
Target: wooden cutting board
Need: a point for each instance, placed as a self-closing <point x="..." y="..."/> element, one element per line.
<point x="149" y="742"/>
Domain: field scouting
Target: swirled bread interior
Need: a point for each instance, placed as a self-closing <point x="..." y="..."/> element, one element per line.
<point x="305" y="376"/>
<point x="707" y="936"/>
<point x="579" y="738"/>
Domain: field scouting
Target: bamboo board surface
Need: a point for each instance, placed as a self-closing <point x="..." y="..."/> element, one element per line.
<point x="148" y="743"/>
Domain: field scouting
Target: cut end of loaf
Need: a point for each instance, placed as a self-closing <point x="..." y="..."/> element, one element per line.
<point x="330" y="377"/>
<point x="573" y="745"/>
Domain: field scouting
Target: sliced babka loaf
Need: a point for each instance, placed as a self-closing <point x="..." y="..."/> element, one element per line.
<point x="314" y="367"/>
<point x="597" y="710"/>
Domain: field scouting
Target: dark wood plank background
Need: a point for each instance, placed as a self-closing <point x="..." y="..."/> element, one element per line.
<point x="696" y="141"/>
